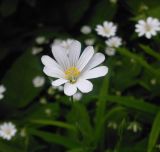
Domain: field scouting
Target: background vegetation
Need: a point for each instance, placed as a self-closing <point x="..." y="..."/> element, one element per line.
<point x="45" y="118"/>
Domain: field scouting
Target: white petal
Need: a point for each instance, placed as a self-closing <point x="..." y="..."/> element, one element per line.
<point x="53" y="72"/>
<point x="70" y="89"/>
<point x="59" y="82"/>
<point x="85" y="57"/>
<point x="84" y="85"/>
<point x="49" y="62"/>
<point x="74" y="52"/>
<point x="95" y="73"/>
<point x="1" y="96"/>
<point x="97" y="59"/>
<point x="61" y="57"/>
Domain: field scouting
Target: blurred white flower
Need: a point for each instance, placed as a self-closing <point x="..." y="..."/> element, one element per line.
<point x="110" y="51"/>
<point x="108" y="29"/>
<point x="59" y="88"/>
<point x="74" y="70"/>
<point x="114" y="42"/>
<point x="86" y="29"/>
<point x="134" y="126"/>
<point x="43" y="100"/>
<point x="36" y="50"/>
<point x="113" y="1"/>
<point x="41" y="40"/>
<point x="38" y="81"/>
<point x="77" y="96"/>
<point x="23" y="132"/>
<point x="57" y="42"/>
<point x="89" y="41"/>
<point x="148" y="27"/>
<point x="2" y="90"/>
<point x="7" y="130"/>
<point x="48" y="111"/>
<point x="112" y="125"/>
<point x="153" y="81"/>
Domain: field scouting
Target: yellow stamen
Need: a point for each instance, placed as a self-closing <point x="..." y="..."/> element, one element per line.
<point x="71" y="74"/>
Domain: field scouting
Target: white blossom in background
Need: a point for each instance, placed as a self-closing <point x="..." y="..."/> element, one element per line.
<point x="153" y="81"/>
<point x="2" y="90"/>
<point x="134" y="126"/>
<point x="56" y="42"/>
<point x="89" y="41"/>
<point x="110" y="51"/>
<point x="112" y="125"/>
<point x="113" y="1"/>
<point x="43" y="101"/>
<point x="59" y="88"/>
<point x="108" y="29"/>
<point x="114" y="42"/>
<point x="36" y="50"/>
<point x="77" y="96"/>
<point x="148" y="27"/>
<point x="40" y="40"/>
<point x="75" y="69"/>
<point x="86" y="29"/>
<point x="38" y="81"/>
<point x="7" y="130"/>
<point x="48" y="111"/>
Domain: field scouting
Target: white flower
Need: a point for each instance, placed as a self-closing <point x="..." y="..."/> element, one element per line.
<point x="36" y="50"/>
<point x="77" y="96"/>
<point x="89" y="41"/>
<point x="48" y="111"/>
<point x="40" y="40"/>
<point x="153" y="81"/>
<point x="74" y="70"/>
<point x="113" y="1"/>
<point x="86" y="29"/>
<point x="110" y="51"/>
<point x="114" y="42"/>
<point x="108" y="29"/>
<point x="38" y="81"/>
<point x="64" y="43"/>
<point x="7" y="130"/>
<point x="148" y="27"/>
<point x="112" y="125"/>
<point x="2" y="90"/>
<point x="134" y="126"/>
<point x="59" y="88"/>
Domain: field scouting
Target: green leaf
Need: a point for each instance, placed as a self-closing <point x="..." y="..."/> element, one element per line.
<point x="56" y="139"/>
<point x="139" y="59"/>
<point x="155" y="132"/>
<point x="149" y="51"/>
<point x="18" y="80"/>
<point x="136" y="104"/>
<point x="100" y="111"/>
<point x="54" y="123"/>
<point x="79" y="116"/>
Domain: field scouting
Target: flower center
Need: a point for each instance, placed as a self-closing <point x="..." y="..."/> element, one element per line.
<point x="72" y="74"/>
<point x="107" y="30"/>
<point x="148" y="27"/>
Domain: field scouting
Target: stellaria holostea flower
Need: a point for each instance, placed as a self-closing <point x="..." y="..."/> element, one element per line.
<point x="72" y="69"/>
<point x="77" y="96"/>
<point x="89" y="41"/>
<point x="41" y="40"/>
<point x="148" y="27"/>
<point x="2" y="90"/>
<point x="86" y="29"/>
<point x="7" y="130"/>
<point x="36" y="50"/>
<point x="108" y="29"/>
<point x="134" y="126"/>
<point x="114" y="42"/>
<point x="110" y="51"/>
<point x="38" y="81"/>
